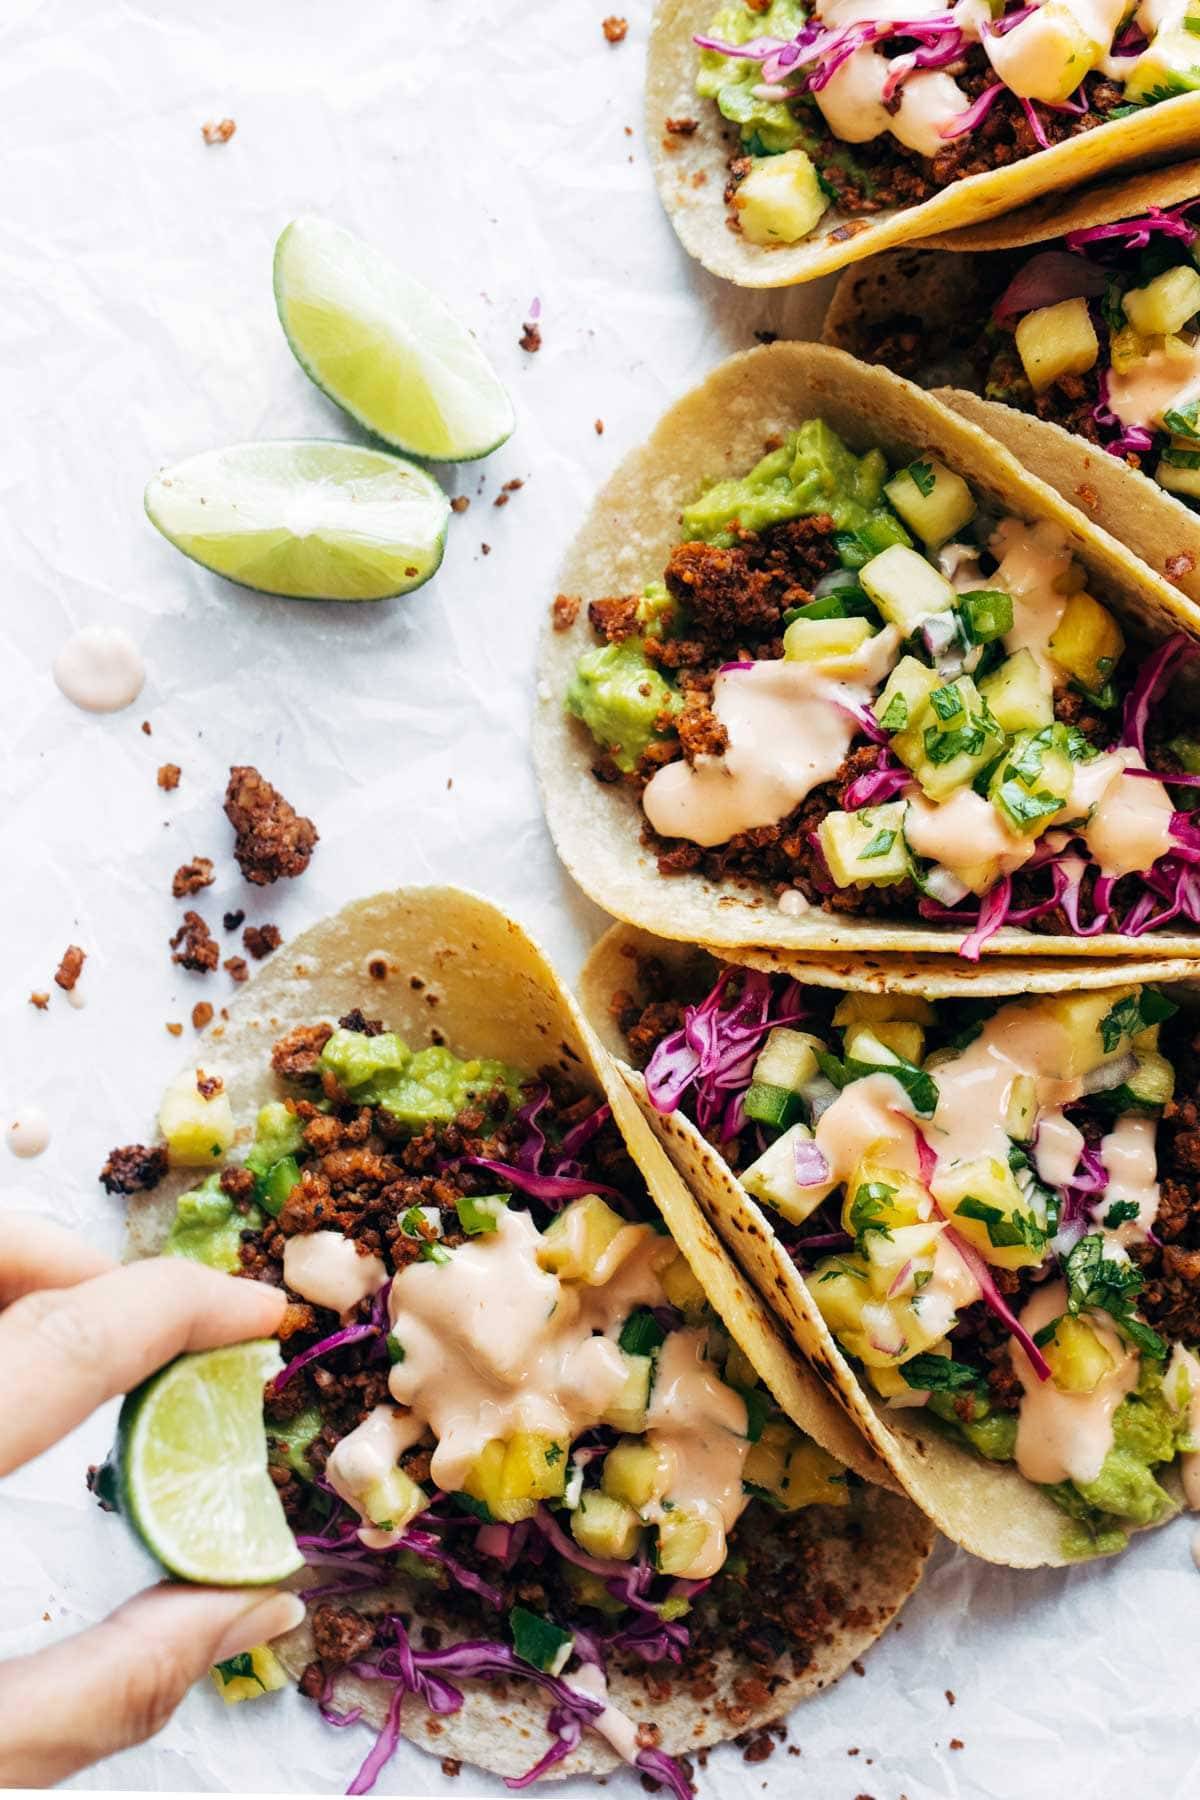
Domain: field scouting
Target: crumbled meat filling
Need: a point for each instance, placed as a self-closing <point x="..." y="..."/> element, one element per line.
<point x="272" y="840"/>
<point x="134" y="1169"/>
<point x="194" y="947"/>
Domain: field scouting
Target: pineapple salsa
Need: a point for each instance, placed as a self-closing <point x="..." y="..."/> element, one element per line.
<point x="504" y="1384"/>
<point x="857" y="686"/>
<point x="863" y="107"/>
<point x="995" y="1208"/>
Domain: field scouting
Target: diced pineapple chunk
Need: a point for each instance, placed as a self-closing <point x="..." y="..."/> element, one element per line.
<point x="932" y="500"/>
<point x="986" y="1207"/>
<point x="905" y="692"/>
<point x="685" y="1542"/>
<point x="831" y="642"/>
<point x="787" y="1059"/>
<point x="1087" y="641"/>
<point x="1057" y="340"/>
<point x="766" y="1462"/>
<point x="604" y="1526"/>
<point x="905" y="587"/>
<point x="196" y="1119"/>
<point x="1032" y="782"/>
<point x="246" y="1677"/>
<point x="740" y="1372"/>
<point x="683" y="1289"/>
<point x="1127" y="348"/>
<point x="781" y="200"/>
<point x="877" y="1196"/>
<point x="951" y="739"/>
<point x="840" y="1287"/>
<point x="1166" y="303"/>
<point x="865" y="848"/>
<point x="1020" y="693"/>
<point x="1047" y="53"/>
<point x="627" y="1411"/>
<point x="1021" y="1108"/>
<point x="1078" y="1359"/>
<point x="895" y="1260"/>
<point x="636" y="1472"/>
<point x="772" y="1179"/>
<point x="576" y="1245"/>
<point x="510" y="1478"/>
<point x="813" y="1478"/>
<point x="393" y="1500"/>
<point x="854" y="1009"/>
<point x="906" y="1039"/>
<point x="1080" y="1048"/>
<point x="1170" y="64"/>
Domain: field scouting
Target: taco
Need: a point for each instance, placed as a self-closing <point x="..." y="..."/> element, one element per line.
<point x="851" y="679"/>
<point x="981" y="1215"/>
<point x="513" y="1341"/>
<point x="791" y="140"/>
<point x="1039" y="343"/>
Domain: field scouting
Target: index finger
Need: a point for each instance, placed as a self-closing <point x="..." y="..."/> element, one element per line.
<point x="65" y="1352"/>
<point x="36" y="1253"/>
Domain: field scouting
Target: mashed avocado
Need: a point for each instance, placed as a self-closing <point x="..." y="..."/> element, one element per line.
<point x="287" y="1445"/>
<point x="1146" y="1434"/>
<point x="208" y="1229"/>
<point x="620" y="697"/>
<point x="812" y="472"/>
<point x="433" y="1084"/>
<point x="731" y="81"/>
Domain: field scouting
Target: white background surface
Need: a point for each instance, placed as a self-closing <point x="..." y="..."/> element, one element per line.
<point x="484" y="145"/>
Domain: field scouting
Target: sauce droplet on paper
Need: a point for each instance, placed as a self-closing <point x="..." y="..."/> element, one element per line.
<point x="29" y="1132"/>
<point x="100" y="669"/>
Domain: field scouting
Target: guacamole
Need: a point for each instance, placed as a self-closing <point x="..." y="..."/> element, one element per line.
<point x="207" y="1227"/>
<point x="620" y="697"/>
<point x="417" y="1088"/>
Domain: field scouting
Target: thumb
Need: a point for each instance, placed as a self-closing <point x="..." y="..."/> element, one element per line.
<point x="119" y="1683"/>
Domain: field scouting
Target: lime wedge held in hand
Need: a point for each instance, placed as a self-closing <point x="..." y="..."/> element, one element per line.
<point x="306" y="518"/>
<point x="191" y="1460"/>
<point x="385" y="348"/>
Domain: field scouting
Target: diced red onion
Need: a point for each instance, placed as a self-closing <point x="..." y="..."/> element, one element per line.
<point x="812" y="1164"/>
<point x="1046" y="279"/>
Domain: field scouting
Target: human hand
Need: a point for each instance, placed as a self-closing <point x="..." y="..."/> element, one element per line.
<point x="75" y="1330"/>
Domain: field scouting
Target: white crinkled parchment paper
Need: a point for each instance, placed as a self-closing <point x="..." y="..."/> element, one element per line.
<point x="485" y="144"/>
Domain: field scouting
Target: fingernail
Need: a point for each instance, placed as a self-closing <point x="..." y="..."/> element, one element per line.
<point x="268" y="1617"/>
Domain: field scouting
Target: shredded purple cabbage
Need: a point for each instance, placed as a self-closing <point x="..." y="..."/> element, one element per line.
<point x="1153" y="677"/>
<point x="714" y="1052"/>
<point x="1135" y="234"/>
<point x="880" y="784"/>
<point x="349" y="1334"/>
<point x="550" y="1189"/>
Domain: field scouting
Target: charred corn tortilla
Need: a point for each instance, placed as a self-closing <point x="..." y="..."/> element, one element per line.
<point x="720" y="428"/>
<point x="691" y="171"/>
<point x="440" y="965"/>
<point x="943" y="289"/>
<point x="986" y="1507"/>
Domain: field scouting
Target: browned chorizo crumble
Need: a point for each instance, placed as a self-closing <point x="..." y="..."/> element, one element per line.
<point x="460" y="503"/>
<point x="134" y="1169"/>
<point x="193" y="945"/>
<point x="40" y="1000"/>
<point x="190" y="877"/>
<point x="209" y="1086"/>
<point x="236" y="967"/>
<point x="272" y="840"/>
<point x="531" y="337"/>
<point x="202" y="1014"/>
<point x="260" y="940"/>
<point x="614" y="28"/>
<point x="565" y="611"/>
<point x="231" y="920"/>
<point x="70" y="968"/>
<point x="168" y="776"/>
<point x="218" y="131"/>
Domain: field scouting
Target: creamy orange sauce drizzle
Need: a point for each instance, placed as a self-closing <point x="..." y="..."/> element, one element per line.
<point x="1131" y="1161"/>
<point x="974" y="1086"/>
<point x="1127" y="823"/>
<point x="1181" y="1383"/>
<point x="1060" y="1436"/>
<point x="787" y="734"/>
<point x="1154" y="384"/>
<point x="1034" y="567"/>
<point x="495" y="1345"/>
<point x="964" y="833"/>
<point x="326" y="1268"/>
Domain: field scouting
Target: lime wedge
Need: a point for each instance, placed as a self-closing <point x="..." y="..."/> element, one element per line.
<point x="385" y="348"/>
<point x="306" y="518"/>
<point x="191" y="1458"/>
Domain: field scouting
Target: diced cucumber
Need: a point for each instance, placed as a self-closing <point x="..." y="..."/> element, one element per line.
<point x="1171" y="64"/>
<point x="1179" y="470"/>
<point x="986" y="614"/>
<point x="540" y="1642"/>
<point x="825" y="641"/>
<point x="787" y="1059"/>
<point x="772" y="1179"/>
<point x="951" y="740"/>
<point x="775" y="1107"/>
<point x="905" y="587"/>
<point x="932" y="500"/>
<point x="903" y="1037"/>
<point x="480" y="1213"/>
<point x="1150" y="1086"/>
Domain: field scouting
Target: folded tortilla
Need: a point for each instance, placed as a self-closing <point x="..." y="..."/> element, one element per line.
<point x="718" y="429"/>
<point x="987" y="1507"/>
<point x="440" y="965"/>
<point x="940" y="284"/>
<point x="691" y="171"/>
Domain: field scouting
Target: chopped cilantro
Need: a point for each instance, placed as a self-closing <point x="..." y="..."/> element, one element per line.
<point x="920" y="1087"/>
<point x="1003" y="1229"/>
<point x="940" y="1374"/>
<point x="239" y="1668"/>
<point x="946" y="701"/>
<point x="1108" y="1284"/>
<point x="866" y="1208"/>
<point x="895" y="717"/>
<point x="395" y="1349"/>
<point x="1134" y="1014"/>
<point x="879" y="845"/>
<point x="1120" y="1212"/>
<point x="923" y="477"/>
